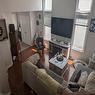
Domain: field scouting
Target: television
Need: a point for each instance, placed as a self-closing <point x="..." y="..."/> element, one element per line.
<point x="62" y="27"/>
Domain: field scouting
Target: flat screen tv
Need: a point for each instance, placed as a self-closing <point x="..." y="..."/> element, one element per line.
<point x="62" y="27"/>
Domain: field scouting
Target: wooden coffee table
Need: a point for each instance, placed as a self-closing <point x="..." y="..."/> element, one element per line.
<point x="59" y="67"/>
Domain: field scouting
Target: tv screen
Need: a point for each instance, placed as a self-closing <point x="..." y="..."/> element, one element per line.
<point x="62" y="27"/>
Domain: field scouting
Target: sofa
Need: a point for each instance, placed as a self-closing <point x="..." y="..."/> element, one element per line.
<point x="43" y="81"/>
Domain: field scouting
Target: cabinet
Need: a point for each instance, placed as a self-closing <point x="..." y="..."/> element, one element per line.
<point x="55" y="47"/>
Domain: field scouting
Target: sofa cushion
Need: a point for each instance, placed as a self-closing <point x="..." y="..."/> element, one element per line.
<point x="51" y="84"/>
<point x="54" y="75"/>
<point x="34" y="58"/>
<point x="90" y="84"/>
<point x="83" y="79"/>
<point x="41" y="73"/>
<point x="30" y="66"/>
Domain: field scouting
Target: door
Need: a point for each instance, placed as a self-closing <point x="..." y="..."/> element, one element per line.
<point x="24" y="20"/>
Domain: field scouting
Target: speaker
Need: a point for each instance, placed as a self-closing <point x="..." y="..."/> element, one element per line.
<point x="14" y="41"/>
<point x="11" y="28"/>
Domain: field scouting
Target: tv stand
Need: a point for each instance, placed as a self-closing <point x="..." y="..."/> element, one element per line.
<point x="59" y="46"/>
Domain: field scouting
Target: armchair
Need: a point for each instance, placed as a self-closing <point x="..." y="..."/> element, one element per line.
<point x="79" y="69"/>
<point x="39" y="45"/>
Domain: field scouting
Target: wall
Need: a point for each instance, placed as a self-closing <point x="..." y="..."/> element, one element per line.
<point x="5" y="58"/>
<point x="5" y="63"/>
<point x="1" y="6"/>
<point x="21" y="5"/>
<point x="64" y="8"/>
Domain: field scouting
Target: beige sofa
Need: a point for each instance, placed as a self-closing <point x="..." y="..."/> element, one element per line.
<point x="43" y="81"/>
<point x="46" y="82"/>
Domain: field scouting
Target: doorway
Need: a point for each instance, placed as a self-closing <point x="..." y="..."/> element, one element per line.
<point x="24" y="28"/>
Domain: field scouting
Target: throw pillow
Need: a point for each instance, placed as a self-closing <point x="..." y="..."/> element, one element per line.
<point x="90" y="84"/>
<point x="83" y="78"/>
<point x="34" y="58"/>
<point x="91" y="63"/>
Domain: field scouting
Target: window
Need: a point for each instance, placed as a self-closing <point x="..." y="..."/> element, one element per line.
<point x="85" y="5"/>
<point x="81" y="23"/>
<point x="48" y="5"/>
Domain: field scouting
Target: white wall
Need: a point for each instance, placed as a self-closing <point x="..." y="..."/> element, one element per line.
<point x="5" y="57"/>
<point x="64" y="8"/>
<point x="5" y="63"/>
<point x="21" y="5"/>
<point x="1" y="6"/>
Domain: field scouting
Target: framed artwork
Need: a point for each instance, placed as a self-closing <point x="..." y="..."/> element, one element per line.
<point x="3" y="30"/>
<point x="92" y="25"/>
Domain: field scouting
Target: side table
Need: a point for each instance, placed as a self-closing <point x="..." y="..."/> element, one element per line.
<point x="58" y="67"/>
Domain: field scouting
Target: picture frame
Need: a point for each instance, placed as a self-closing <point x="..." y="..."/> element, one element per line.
<point x="3" y="30"/>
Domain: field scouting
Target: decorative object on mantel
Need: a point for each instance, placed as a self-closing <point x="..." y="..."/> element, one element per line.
<point x="92" y="25"/>
<point x="37" y="22"/>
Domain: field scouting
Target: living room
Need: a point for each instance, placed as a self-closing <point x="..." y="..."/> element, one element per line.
<point x="40" y="17"/>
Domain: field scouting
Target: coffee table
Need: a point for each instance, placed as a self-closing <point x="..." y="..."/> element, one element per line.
<point x="59" y="67"/>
